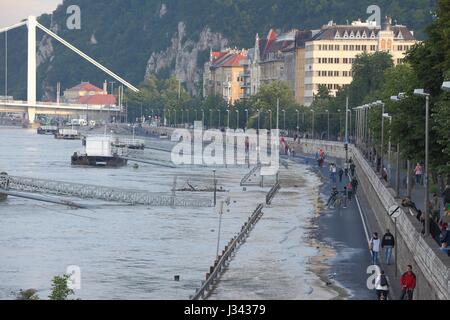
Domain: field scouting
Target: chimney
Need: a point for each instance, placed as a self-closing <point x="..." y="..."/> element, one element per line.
<point x="105" y="87"/>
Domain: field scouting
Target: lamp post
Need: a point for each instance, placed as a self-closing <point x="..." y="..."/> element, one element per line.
<point x="313" y="123"/>
<point x="421" y="93"/>
<point x="387" y="116"/>
<point x="298" y="121"/>
<point x="259" y="117"/>
<point x="220" y="122"/>
<point x="284" y="119"/>
<point x="270" y="119"/>
<point x="203" y="117"/>
<point x="228" y="119"/>
<point x="397" y="177"/>
<point x="328" y="126"/>
<point x="182" y="117"/>
<point x="246" y="119"/>
<point x="210" y="118"/>
<point x="187" y="115"/>
<point x="237" y="119"/>
<point x="175" y="120"/>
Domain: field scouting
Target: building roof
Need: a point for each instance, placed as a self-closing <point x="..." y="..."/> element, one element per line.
<point x="228" y="59"/>
<point x="85" y="86"/>
<point x="357" y="32"/>
<point x="98" y="99"/>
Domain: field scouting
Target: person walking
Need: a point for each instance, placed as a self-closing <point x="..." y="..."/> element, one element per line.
<point x="355" y="185"/>
<point x="374" y="245"/>
<point x="382" y="286"/>
<point x="352" y="169"/>
<point x="408" y="283"/>
<point x="387" y="245"/>
<point x="341" y="174"/>
<point x="333" y="171"/>
<point x="418" y="171"/>
<point x="349" y="189"/>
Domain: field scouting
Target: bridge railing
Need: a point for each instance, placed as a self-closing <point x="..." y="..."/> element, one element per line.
<point x="85" y="191"/>
<point x="230" y="248"/>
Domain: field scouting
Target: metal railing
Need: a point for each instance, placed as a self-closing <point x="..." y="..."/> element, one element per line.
<point x="272" y="193"/>
<point x="85" y="191"/>
<point x="220" y="263"/>
<point x="246" y="179"/>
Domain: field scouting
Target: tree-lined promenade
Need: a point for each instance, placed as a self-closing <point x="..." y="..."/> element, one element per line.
<point x="375" y="78"/>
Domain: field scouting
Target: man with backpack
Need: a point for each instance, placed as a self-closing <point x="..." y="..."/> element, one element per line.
<point x="408" y="283"/>
<point x="382" y="286"/>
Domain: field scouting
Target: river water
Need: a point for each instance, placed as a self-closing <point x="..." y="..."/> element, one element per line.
<point x="127" y="252"/>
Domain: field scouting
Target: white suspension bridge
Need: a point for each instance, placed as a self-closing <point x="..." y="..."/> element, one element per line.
<point x="32" y="107"/>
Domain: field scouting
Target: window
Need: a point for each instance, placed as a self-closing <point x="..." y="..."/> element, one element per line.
<point x="352" y="47"/>
<point x="337" y="60"/>
<point x="373" y="48"/>
<point x="358" y="47"/>
<point x="346" y="47"/>
<point x="337" y="47"/>
<point x="330" y="73"/>
<point x="364" y="48"/>
<point x="330" y="60"/>
<point x="336" y="73"/>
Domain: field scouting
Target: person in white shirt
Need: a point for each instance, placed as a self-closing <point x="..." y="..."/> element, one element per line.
<point x="374" y="246"/>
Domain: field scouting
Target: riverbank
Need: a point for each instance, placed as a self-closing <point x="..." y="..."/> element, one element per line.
<point x="340" y="238"/>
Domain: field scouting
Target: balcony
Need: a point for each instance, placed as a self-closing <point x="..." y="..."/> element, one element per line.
<point x="245" y="74"/>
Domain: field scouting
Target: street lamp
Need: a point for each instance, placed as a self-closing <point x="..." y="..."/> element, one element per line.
<point x="298" y="121"/>
<point x="246" y="120"/>
<point x="259" y="117"/>
<point x="175" y="121"/>
<point x="219" y="111"/>
<point x="446" y="86"/>
<point x="203" y="116"/>
<point x="187" y="115"/>
<point x="284" y="119"/>
<point x="228" y="120"/>
<point x="328" y="128"/>
<point x="375" y="104"/>
<point x="387" y="116"/>
<point x="237" y="119"/>
<point x="313" y="123"/>
<point x="270" y="119"/>
<point x="210" y="117"/>
<point x="421" y="93"/>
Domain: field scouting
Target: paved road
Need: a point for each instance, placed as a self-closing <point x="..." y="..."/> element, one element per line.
<point x="344" y="231"/>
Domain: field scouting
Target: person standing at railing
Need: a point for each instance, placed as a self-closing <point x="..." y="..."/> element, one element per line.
<point x="418" y="171"/>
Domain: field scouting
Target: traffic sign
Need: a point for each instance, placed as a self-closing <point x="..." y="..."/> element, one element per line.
<point x="395" y="211"/>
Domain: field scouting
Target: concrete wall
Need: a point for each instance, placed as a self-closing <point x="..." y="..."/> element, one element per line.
<point x="431" y="266"/>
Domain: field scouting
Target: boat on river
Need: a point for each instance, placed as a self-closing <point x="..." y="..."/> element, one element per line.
<point x="99" y="152"/>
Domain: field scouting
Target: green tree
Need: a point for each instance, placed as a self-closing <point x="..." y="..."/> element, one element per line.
<point x="29" y="294"/>
<point x="60" y="288"/>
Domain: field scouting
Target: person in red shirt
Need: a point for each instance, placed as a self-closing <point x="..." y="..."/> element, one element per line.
<point x="408" y="282"/>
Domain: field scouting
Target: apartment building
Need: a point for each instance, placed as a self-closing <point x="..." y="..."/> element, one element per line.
<point x="304" y="59"/>
<point x="331" y="51"/>
<point x="223" y="74"/>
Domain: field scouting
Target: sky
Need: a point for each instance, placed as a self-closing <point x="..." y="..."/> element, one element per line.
<point x="13" y="11"/>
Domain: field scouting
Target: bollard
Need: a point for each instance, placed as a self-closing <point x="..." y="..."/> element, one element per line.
<point x="176" y="278"/>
